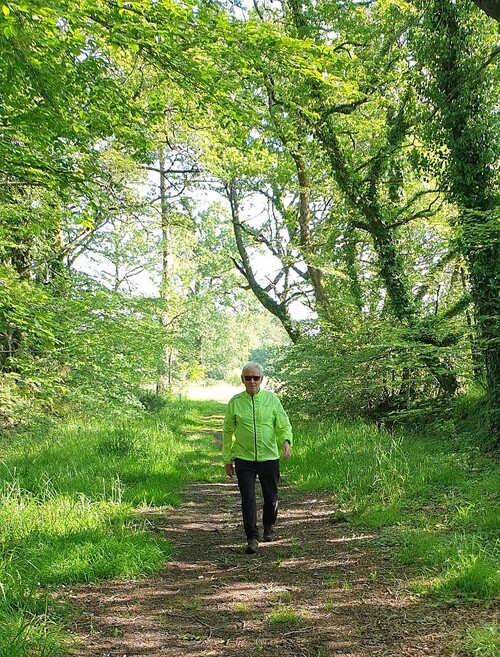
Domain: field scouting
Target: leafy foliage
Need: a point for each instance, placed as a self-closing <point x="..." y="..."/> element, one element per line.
<point x="336" y="159"/>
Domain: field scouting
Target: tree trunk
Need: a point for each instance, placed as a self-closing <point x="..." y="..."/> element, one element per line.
<point x="164" y="382"/>
<point x="490" y="7"/>
<point x="391" y="268"/>
<point x="279" y="310"/>
<point x="353" y="269"/>
<point x="485" y="278"/>
<point x="315" y="274"/>
<point x="476" y="356"/>
<point x="465" y="109"/>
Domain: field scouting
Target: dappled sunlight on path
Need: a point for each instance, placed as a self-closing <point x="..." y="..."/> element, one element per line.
<point x="321" y="589"/>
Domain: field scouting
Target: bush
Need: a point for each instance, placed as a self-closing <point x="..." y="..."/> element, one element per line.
<point x="151" y="401"/>
<point x="376" y="372"/>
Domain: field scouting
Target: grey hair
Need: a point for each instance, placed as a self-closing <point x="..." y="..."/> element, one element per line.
<point x="253" y="366"/>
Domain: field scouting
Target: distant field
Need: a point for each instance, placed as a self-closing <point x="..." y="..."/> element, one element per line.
<point x="221" y="392"/>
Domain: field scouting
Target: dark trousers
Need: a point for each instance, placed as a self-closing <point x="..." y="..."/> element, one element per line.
<point x="269" y="475"/>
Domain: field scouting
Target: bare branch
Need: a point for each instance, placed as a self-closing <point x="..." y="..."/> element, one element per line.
<point x="167" y="171"/>
<point x="427" y="212"/>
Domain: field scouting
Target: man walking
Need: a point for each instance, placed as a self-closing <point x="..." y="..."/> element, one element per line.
<point x="256" y="427"/>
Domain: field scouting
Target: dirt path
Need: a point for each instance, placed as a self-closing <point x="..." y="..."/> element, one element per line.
<point x="320" y="590"/>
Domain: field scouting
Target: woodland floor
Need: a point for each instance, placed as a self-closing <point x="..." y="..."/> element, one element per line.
<point x="340" y="589"/>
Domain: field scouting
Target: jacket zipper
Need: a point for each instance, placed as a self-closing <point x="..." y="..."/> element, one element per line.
<point x="254" y="427"/>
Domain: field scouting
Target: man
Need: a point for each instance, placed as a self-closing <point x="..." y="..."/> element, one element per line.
<point x="255" y="428"/>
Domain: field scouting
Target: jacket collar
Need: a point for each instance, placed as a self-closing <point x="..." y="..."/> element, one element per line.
<point x="249" y="395"/>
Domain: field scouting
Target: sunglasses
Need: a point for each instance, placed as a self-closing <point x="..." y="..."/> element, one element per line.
<point x="252" y="378"/>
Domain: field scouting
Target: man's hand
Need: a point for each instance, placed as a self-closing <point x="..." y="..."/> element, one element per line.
<point x="229" y="468"/>
<point x="287" y="450"/>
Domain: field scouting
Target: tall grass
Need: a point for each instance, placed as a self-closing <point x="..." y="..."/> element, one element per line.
<point x="69" y="499"/>
<point x="435" y="501"/>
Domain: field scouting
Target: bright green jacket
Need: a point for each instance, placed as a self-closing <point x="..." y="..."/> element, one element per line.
<point x="255" y="427"/>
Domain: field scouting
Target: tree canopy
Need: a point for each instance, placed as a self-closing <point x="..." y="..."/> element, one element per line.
<point x="332" y="167"/>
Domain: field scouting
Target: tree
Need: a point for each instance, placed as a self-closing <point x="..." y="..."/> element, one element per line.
<point x="464" y="119"/>
<point x="365" y="142"/>
<point x="311" y="121"/>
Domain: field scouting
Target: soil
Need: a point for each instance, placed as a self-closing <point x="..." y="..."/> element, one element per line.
<point x="321" y="589"/>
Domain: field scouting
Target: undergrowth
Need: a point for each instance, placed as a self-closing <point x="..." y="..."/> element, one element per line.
<point x="70" y="501"/>
<point x="435" y="501"/>
<point x="71" y="496"/>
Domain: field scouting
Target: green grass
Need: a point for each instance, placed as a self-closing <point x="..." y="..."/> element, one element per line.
<point x="27" y="637"/>
<point x="330" y="580"/>
<point x="481" y="641"/>
<point x="435" y="501"/>
<point x="284" y="596"/>
<point x="70" y="497"/>
<point x="286" y="615"/>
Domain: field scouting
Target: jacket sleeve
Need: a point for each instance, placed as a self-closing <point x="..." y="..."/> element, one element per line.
<point x="283" y="426"/>
<point x="228" y="433"/>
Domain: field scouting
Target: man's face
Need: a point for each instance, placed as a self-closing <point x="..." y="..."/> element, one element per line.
<point x="252" y="386"/>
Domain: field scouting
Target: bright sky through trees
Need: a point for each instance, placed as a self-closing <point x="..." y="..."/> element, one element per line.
<point x="333" y="164"/>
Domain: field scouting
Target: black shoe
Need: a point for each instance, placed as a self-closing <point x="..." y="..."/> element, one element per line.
<point x="252" y="546"/>
<point x="268" y="534"/>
